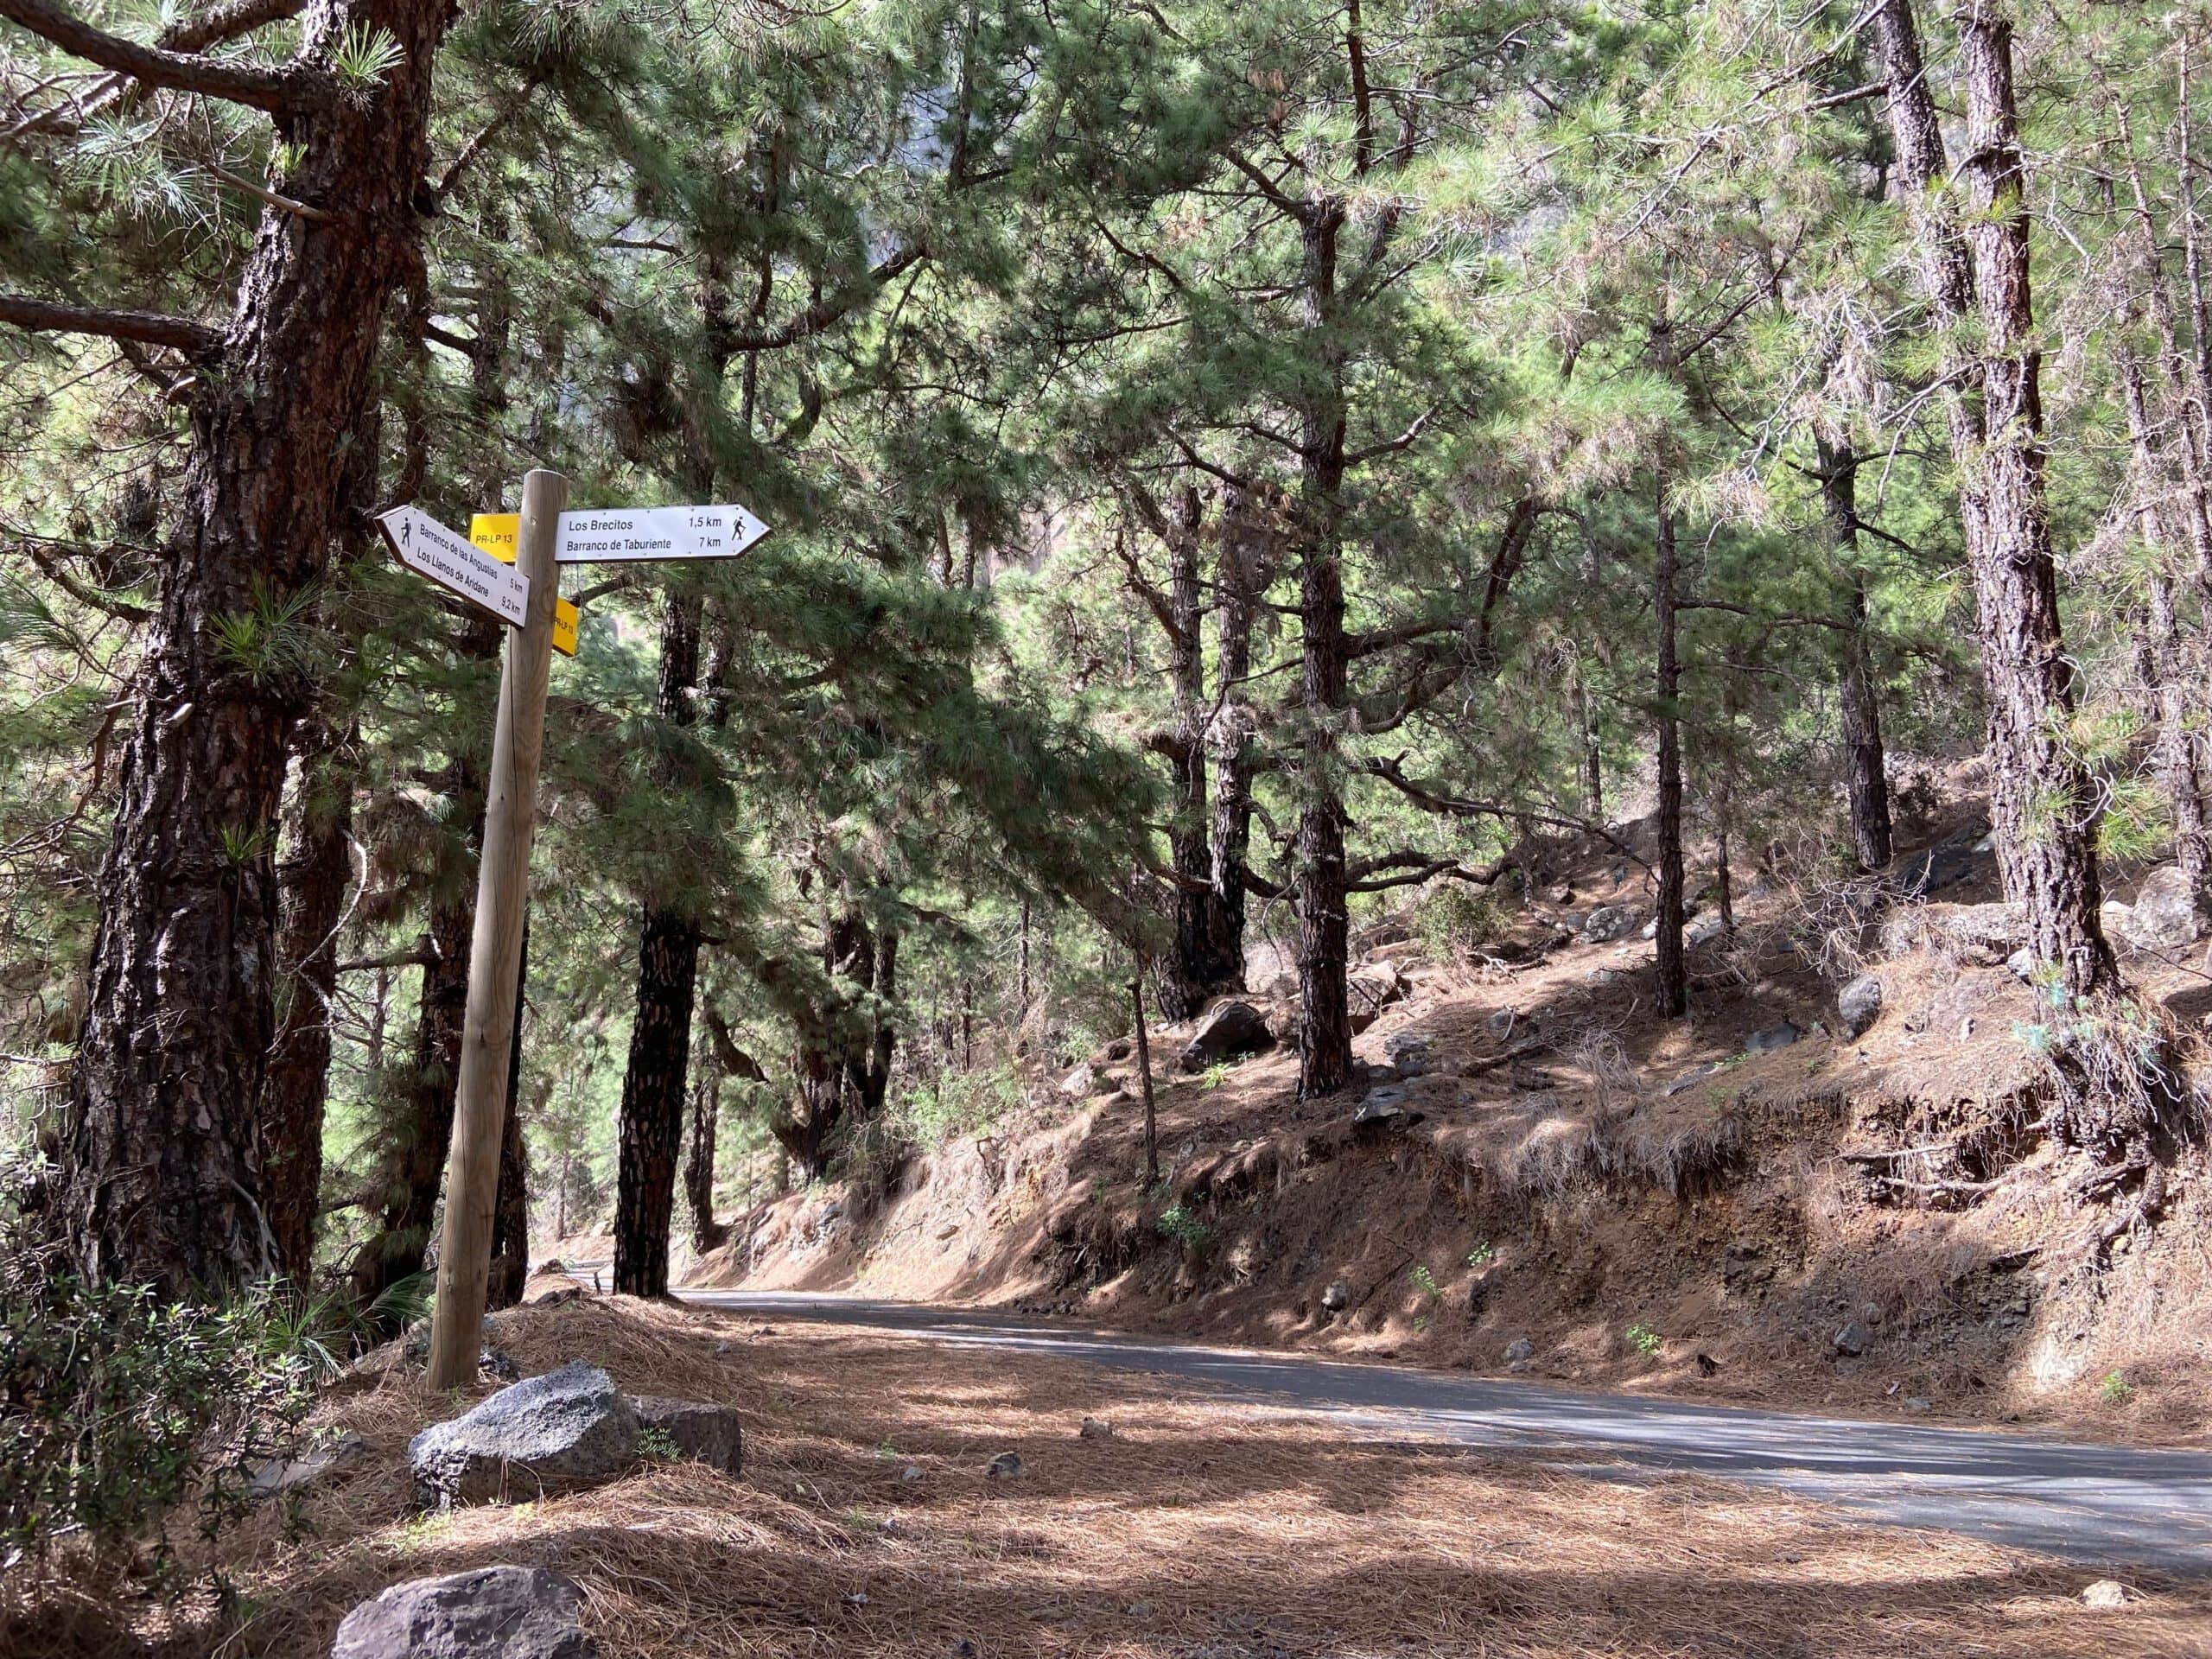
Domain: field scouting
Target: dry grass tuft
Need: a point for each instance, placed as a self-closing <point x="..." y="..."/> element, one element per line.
<point x="1196" y="1530"/>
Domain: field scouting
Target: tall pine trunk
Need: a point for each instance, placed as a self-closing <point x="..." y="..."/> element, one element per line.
<point x="1674" y="974"/>
<point x="312" y="877"/>
<point x="161" y="1174"/>
<point x="1242" y="573"/>
<point x="2043" y="801"/>
<point x="1200" y="967"/>
<point x="2161" y="662"/>
<point x="706" y="1233"/>
<point x="1319" y="879"/>
<point x="652" y="1125"/>
<point x="1866" y="784"/>
<point x="509" y="1269"/>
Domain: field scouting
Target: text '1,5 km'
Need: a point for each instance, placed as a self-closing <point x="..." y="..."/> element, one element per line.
<point x="607" y="535"/>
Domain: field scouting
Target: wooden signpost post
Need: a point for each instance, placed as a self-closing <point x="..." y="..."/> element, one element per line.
<point x="510" y="568"/>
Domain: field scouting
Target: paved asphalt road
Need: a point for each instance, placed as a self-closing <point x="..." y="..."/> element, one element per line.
<point x="2102" y="1505"/>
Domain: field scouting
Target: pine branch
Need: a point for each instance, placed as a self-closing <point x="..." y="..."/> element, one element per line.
<point x="147" y="327"/>
<point x="823" y="314"/>
<point x="280" y="91"/>
<point x="210" y="27"/>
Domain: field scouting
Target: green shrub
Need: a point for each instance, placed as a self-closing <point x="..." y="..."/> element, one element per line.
<point x="1644" y="1338"/>
<point x="1178" y="1224"/>
<point x="1425" y="1283"/>
<point x="2117" y="1390"/>
<point x="1453" y="922"/>
<point x="117" y="1406"/>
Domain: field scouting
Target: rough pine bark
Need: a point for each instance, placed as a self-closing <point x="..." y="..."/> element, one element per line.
<point x="651" y="1131"/>
<point x="161" y="1172"/>
<point x="1867" y="783"/>
<point x="706" y="1233"/>
<point x="510" y="1267"/>
<point x="1974" y="267"/>
<point x="1674" y="974"/>
<point x="2045" y="803"/>
<point x="1319" y="879"/>
<point x="1242" y="573"/>
<point x="1199" y="968"/>
<point x="312" y="873"/>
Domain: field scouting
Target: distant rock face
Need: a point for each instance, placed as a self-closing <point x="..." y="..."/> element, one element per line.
<point x="560" y="1432"/>
<point x="705" y="1433"/>
<point x="1610" y="922"/>
<point x="2164" y="915"/>
<point x="493" y="1612"/>
<point x="1858" y="1004"/>
<point x="1230" y="1032"/>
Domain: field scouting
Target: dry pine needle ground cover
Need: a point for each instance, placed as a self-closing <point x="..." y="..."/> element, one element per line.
<point x="1195" y="1532"/>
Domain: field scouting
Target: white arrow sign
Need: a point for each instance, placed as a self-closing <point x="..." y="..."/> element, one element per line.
<point x="609" y="535"/>
<point x="425" y="545"/>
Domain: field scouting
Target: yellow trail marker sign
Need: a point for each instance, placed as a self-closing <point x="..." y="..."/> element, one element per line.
<point x="494" y="533"/>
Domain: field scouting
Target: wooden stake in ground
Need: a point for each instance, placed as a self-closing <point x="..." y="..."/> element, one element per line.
<point x="502" y="896"/>
<point x="1144" y="1071"/>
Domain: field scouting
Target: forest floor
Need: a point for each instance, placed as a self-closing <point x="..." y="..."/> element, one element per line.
<point x="1195" y="1531"/>
<point x="1661" y="1207"/>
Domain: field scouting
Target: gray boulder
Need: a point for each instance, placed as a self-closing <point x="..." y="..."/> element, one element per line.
<point x="492" y="1613"/>
<point x="1336" y="1297"/>
<point x="560" y="1432"/>
<point x="1858" y="1004"/>
<point x="1703" y="930"/>
<point x="1519" y="1351"/>
<point x="1230" y="1032"/>
<point x="1611" y="921"/>
<point x="1851" y="1341"/>
<point x="1773" y="1037"/>
<point x="1382" y="1107"/>
<point x="705" y="1433"/>
<point x="1409" y="1050"/>
<point x="2163" y="916"/>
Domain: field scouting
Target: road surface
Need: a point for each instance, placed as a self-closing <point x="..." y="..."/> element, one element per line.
<point x="2110" y="1506"/>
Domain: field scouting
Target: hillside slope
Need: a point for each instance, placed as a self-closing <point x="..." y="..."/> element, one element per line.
<point x="1540" y="1177"/>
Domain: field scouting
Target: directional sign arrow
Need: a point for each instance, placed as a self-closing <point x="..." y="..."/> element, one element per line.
<point x="426" y="546"/>
<point x="612" y="535"/>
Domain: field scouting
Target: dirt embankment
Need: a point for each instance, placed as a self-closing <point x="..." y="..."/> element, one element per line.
<point x="1745" y="1205"/>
